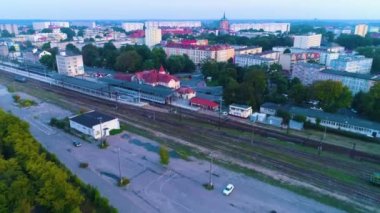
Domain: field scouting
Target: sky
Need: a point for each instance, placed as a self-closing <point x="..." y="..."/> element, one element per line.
<point x="189" y="9"/>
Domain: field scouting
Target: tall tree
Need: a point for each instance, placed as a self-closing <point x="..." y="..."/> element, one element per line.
<point x="129" y="61"/>
<point x="332" y="95"/>
<point x="90" y="55"/>
<point x="70" y="48"/>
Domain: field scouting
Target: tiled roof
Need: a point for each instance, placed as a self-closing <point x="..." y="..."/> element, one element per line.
<point x="203" y="102"/>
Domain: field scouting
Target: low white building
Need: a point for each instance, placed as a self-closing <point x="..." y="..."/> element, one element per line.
<point x="242" y="111"/>
<point x="95" y="124"/>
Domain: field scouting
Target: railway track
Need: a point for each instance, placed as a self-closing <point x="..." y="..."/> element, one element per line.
<point x="231" y="145"/>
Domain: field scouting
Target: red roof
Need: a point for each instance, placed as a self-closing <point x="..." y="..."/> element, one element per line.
<point x="185" y="90"/>
<point x="203" y="102"/>
<point x="137" y="34"/>
<point x="123" y="76"/>
<point x="155" y="76"/>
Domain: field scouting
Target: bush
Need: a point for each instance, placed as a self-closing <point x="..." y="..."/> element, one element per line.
<point x="164" y="155"/>
<point x="103" y="144"/>
<point x="299" y="118"/>
<point x="208" y="186"/>
<point x="123" y="182"/>
<point x="16" y="98"/>
<point x="83" y="165"/>
<point x="116" y="131"/>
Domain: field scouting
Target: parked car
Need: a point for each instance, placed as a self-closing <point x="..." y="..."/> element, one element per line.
<point x="77" y="144"/>
<point x="229" y="188"/>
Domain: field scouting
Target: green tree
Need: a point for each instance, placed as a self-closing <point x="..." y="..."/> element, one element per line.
<point x="129" y="61"/>
<point x="70" y="48"/>
<point x="49" y="62"/>
<point x="374" y="53"/>
<point x="6" y="34"/>
<point x="175" y="64"/>
<point x="164" y="155"/>
<point x="352" y="42"/>
<point x="69" y="32"/>
<point x="12" y="49"/>
<point x="368" y="104"/>
<point x="46" y="30"/>
<point x="46" y="46"/>
<point x="158" y="57"/>
<point x="332" y="95"/>
<point x="90" y="55"/>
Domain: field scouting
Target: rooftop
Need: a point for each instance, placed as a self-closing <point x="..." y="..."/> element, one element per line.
<point x="241" y="106"/>
<point x="203" y="102"/>
<point x="334" y="117"/>
<point x="144" y="88"/>
<point x="92" y="118"/>
<point x="79" y="82"/>
<point x="352" y="75"/>
<point x="347" y="58"/>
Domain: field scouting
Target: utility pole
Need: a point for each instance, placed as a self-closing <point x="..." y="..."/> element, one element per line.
<point x="101" y="130"/>
<point x="210" y="175"/>
<point x="220" y="111"/>
<point x="118" y="155"/>
<point x="252" y="133"/>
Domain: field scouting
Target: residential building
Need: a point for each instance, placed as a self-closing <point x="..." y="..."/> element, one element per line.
<point x="266" y="27"/>
<point x="243" y="50"/>
<point x="59" y="24"/>
<point x="180" y="24"/>
<point x="201" y="53"/>
<point x="204" y="104"/>
<point x="288" y="60"/>
<point x="339" y="122"/>
<point x="251" y="60"/>
<point x="4" y="50"/>
<point x="41" y="25"/>
<point x="70" y="65"/>
<point x="132" y="26"/>
<point x="269" y="108"/>
<point x="307" y="73"/>
<point x="224" y="24"/>
<point x="35" y="55"/>
<point x="88" y="24"/>
<point x="153" y="37"/>
<point x="307" y="41"/>
<point x="356" y="82"/>
<point x="95" y="124"/>
<point x="361" y="30"/>
<point x="186" y="93"/>
<point x="11" y="28"/>
<point x="241" y="111"/>
<point x="352" y="63"/>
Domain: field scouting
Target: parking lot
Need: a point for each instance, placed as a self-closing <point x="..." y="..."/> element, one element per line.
<point x="154" y="188"/>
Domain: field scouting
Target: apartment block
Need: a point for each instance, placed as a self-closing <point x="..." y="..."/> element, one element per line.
<point x="71" y="65"/>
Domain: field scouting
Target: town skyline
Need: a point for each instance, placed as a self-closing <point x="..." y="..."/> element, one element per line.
<point x="167" y="10"/>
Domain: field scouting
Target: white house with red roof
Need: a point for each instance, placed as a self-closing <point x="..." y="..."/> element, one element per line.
<point x="185" y="93"/>
<point x="152" y="77"/>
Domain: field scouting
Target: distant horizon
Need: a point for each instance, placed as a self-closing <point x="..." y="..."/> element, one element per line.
<point x="190" y="10"/>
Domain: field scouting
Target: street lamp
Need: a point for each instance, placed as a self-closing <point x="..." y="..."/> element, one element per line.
<point x="101" y="130"/>
<point x="210" y="184"/>
<point x="118" y="154"/>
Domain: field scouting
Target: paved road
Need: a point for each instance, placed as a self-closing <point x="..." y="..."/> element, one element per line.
<point x="60" y="144"/>
<point x="153" y="188"/>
